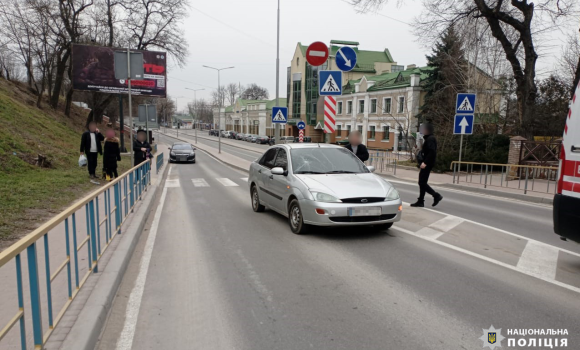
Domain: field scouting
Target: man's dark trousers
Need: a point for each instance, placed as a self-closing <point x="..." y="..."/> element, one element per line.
<point x="423" y="185"/>
<point x="92" y="162"/>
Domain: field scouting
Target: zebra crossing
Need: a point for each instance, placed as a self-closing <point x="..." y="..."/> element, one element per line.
<point x="201" y="182"/>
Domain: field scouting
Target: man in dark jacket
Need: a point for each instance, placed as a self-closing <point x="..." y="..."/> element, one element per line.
<point x="141" y="147"/>
<point x="355" y="146"/>
<point x="91" y="147"/>
<point x="429" y="153"/>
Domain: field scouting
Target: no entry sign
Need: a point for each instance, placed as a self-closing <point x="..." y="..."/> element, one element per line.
<point x="317" y="53"/>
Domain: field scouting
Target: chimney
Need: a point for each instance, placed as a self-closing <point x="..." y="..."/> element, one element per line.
<point x="411" y="66"/>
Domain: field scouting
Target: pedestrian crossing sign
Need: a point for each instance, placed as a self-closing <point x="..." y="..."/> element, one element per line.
<point x="465" y="104"/>
<point x="279" y="115"/>
<point x="330" y="82"/>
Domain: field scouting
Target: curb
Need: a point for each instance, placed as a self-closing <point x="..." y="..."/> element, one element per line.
<point x="87" y="329"/>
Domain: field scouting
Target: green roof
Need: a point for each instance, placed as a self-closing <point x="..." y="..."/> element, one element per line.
<point x="392" y="80"/>
<point x="229" y="109"/>
<point x="366" y="59"/>
<point x="281" y="101"/>
<point x="344" y="42"/>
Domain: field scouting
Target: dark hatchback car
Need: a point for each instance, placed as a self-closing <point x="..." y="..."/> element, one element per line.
<point x="262" y="139"/>
<point x="182" y="152"/>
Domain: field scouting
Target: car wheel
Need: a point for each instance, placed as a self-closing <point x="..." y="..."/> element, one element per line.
<point x="258" y="208"/>
<point x="295" y="219"/>
<point x="384" y="227"/>
<point x="193" y="161"/>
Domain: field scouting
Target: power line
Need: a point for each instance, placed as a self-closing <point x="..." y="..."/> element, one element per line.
<point x="190" y="82"/>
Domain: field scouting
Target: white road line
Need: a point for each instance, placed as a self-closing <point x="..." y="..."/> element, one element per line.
<point x="200" y="183"/>
<point x="125" y="341"/>
<point x="429" y="233"/>
<point x="245" y="179"/>
<point x="172" y="183"/>
<point x="482" y="257"/>
<point x="446" y="224"/>
<point x="226" y="182"/>
<point x="539" y="259"/>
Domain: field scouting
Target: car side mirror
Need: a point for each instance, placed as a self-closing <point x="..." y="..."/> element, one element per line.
<point x="278" y="171"/>
<point x="170" y="148"/>
<point x="371" y="168"/>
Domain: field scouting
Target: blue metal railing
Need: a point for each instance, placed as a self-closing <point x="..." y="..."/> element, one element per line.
<point x="159" y="161"/>
<point x="119" y="199"/>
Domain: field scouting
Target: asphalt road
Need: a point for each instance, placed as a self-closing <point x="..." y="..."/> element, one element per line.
<point x="215" y="275"/>
<point x="523" y="218"/>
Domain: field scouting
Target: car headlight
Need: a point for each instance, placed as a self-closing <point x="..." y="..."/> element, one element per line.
<point x="392" y="195"/>
<point x="172" y="154"/>
<point x="324" y="197"/>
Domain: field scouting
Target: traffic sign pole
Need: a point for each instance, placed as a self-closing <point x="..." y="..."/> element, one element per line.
<point x="277" y="126"/>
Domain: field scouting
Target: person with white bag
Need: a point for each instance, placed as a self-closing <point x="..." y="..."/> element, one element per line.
<point x="91" y="147"/>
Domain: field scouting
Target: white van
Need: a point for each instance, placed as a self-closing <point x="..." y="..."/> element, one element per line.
<point x="567" y="199"/>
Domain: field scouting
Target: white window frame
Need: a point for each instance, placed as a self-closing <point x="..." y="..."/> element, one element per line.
<point x="339" y="109"/>
<point x="399" y="104"/>
<point x="360" y="128"/>
<point x="349" y="107"/>
<point x="369" y="130"/>
<point x="383" y="131"/>
<point x="348" y="128"/>
<point x="376" y="106"/>
<point x="385" y="105"/>
<point x="361" y="101"/>
<point x="338" y="130"/>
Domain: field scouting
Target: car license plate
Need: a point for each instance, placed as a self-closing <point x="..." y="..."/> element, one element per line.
<point x="366" y="211"/>
<point x="182" y="158"/>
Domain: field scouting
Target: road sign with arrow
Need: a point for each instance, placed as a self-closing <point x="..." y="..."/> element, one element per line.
<point x="346" y="59"/>
<point x="463" y="124"/>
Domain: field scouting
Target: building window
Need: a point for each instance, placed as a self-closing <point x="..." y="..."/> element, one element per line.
<point x="401" y="106"/>
<point x="361" y="106"/>
<point x="386" y="133"/>
<point x="396" y="68"/>
<point x="348" y="127"/>
<point x="374" y="105"/>
<point x="359" y="128"/>
<point x="297" y="61"/>
<point x="372" y="133"/>
<point x="387" y="105"/>
<point x="339" y="108"/>
<point x="349" y="107"/>
<point x="338" y="131"/>
<point x="296" y="98"/>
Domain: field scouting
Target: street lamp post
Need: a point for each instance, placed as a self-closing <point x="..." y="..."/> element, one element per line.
<point x="195" y="105"/>
<point x="219" y="105"/>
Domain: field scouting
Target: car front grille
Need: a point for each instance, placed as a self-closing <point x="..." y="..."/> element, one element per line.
<point x="361" y="218"/>
<point x="363" y="200"/>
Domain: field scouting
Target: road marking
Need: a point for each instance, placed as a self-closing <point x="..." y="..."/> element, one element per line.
<point x="125" y="341"/>
<point x="226" y="182"/>
<point x="496" y="262"/>
<point x="245" y="179"/>
<point x="200" y="183"/>
<point x="539" y="259"/>
<point x="447" y="224"/>
<point x="172" y="183"/>
<point x="429" y="233"/>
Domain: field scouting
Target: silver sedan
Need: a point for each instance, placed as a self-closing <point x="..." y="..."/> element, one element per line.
<point x="321" y="185"/>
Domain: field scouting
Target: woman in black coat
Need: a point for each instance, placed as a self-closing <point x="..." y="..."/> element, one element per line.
<point x="111" y="154"/>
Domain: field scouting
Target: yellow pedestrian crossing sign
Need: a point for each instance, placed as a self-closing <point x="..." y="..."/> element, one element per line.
<point x="330" y="83"/>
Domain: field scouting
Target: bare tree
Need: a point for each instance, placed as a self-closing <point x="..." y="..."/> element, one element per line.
<point x="254" y="92"/>
<point x="570" y="62"/>
<point x="201" y="110"/>
<point x="218" y="96"/>
<point x="232" y="92"/>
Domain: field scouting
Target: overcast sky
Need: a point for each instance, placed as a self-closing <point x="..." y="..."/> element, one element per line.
<point x="224" y="33"/>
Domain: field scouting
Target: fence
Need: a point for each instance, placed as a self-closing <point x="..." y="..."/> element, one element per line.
<point x="383" y="164"/>
<point x="117" y="205"/>
<point x="377" y="152"/>
<point x="533" y="178"/>
<point x="159" y="161"/>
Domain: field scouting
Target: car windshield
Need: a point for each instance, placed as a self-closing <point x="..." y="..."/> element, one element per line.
<point x="181" y="147"/>
<point x="325" y="161"/>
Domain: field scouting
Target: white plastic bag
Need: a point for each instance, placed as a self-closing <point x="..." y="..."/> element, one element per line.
<point x="82" y="160"/>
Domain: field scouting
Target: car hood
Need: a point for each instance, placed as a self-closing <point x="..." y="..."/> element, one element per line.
<point x="347" y="185"/>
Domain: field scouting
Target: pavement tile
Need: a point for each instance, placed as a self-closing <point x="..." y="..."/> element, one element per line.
<point x="484" y="241"/>
<point x="568" y="269"/>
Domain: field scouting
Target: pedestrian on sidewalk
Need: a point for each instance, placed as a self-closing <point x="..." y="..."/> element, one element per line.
<point x="91" y="147"/>
<point x="355" y="146"/>
<point x="426" y="159"/>
<point x="141" y="147"/>
<point x="111" y="154"/>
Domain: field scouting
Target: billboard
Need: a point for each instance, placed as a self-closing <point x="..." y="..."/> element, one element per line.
<point x="93" y="69"/>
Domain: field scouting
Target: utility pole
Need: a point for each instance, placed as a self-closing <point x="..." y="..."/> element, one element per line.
<point x="219" y="105"/>
<point x="195" y="110"/>
<point x="277" y="126"/>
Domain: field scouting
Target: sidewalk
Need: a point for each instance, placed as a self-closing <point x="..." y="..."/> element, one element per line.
<point x="59" y="286"/>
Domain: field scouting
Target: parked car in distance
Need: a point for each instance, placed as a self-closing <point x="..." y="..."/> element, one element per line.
<point x="249" y="137"/>
<point x="253" y="138"/>
<point x="286" y="139"/>
<point x="182" y="152"/>
<point x="262" y="139"/>
<point x="240" y="136"/>
<point x="322" y="185"/>
<point x="231" y="134"/>
<point x="213" y="132"/>
<point x="306" y="139"/>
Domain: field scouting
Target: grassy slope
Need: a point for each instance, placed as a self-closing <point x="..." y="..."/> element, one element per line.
<point x="29" y="194"/>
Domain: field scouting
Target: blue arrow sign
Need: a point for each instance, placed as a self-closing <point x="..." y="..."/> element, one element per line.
<point x="301" y="125"/>
<point x="279" y="115"/>
<point x="330" y="83"/>
<point x="463" y="124"/>
<point x="465" y="104"/>
<point x="346" y="59"/>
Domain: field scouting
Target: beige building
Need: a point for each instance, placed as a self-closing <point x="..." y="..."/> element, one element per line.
<point x="249" y="116"/>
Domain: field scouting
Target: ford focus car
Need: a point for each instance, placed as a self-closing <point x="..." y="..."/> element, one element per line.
<point x="321" y="185"/>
